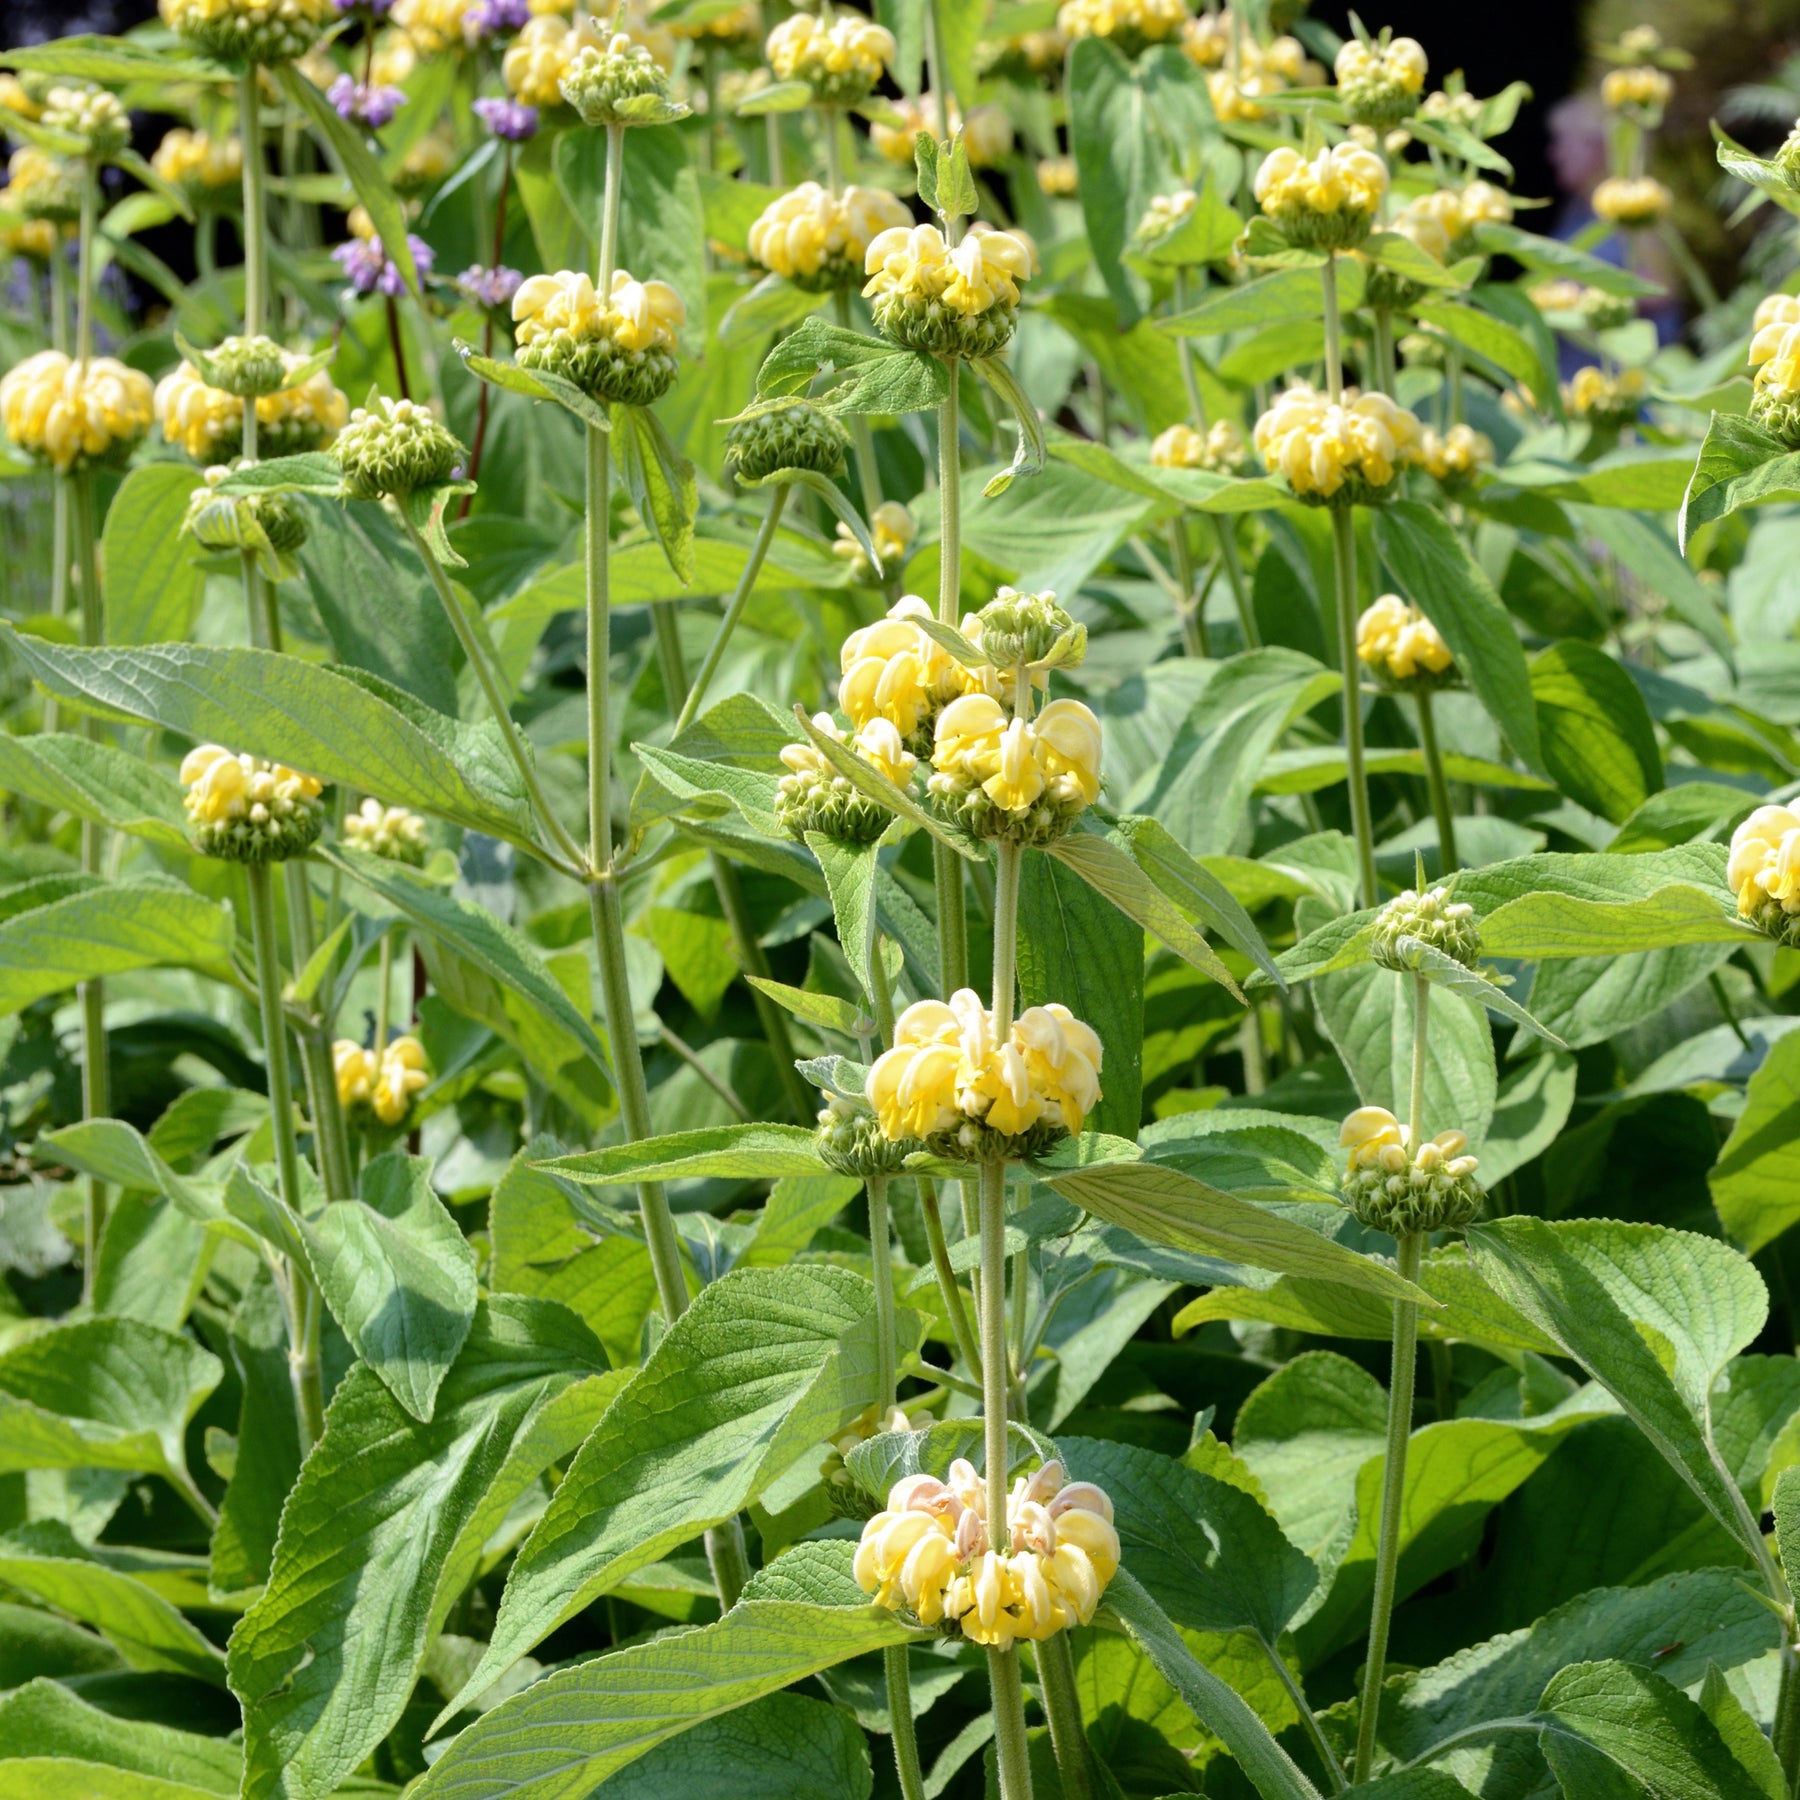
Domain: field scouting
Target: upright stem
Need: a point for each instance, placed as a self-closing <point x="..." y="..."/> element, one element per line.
<point x="949" y="608"/>
<point x="384" y="992"/>
<point x="880" y="994"/>
<point x="772" y="139"/>
<point x="861" y="433"/>
<point x="887" y="1382"/>
<point x="95" y="1097"/>
<point x="303" y="1344"/>
<point x="1440" y="788"/>
<point x="1393" y="1491"/>
<point x="1012" y="1754"/>
<point x="906" y="1737"/>
<point x="84" y="276"/>
<point x="1226" y="532"/>
<point x="734" y="611"/>
<point x="1062" y="1707"/>
<point x="1334" y="342"/>
<point x="1190" y="609"/>
<point x="609" y="216"/>
<point x="250" y="126"/>
<point x="1415" y="1117"/>
<point x="1786" y="1733"/>
<point x="1343" y="542"/>
<point x="1009" y="860"/>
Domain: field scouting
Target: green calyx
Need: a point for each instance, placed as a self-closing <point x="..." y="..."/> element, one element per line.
<point x="277" y="33"/>
<point x="285" y="829"/>
<point x="785" y="434"/>
<point x="1030" y="631"/>
<point x="1427" y="918"/>
<point x="249" y="367"/>
<point x="91" y="114"/>
<point x="599" y="84"/>
<point x="831" y="804"/>
<point x="394" y="446"/>
<point x="244" y="521"/>
<point x="601" y="369"/>
<point x="850" y="1141"/>
<point x="1309" y="230"/>
<point x="968" y="805"/>
<point x="1773" y="920"/>
<point x="1378" y="101"/>
<point x="929" y="325"/>
<point x="1413" y="1200"/>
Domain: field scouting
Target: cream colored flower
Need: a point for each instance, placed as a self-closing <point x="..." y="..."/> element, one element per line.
<point x="247" y="809"/>
<point x="1641" y="89"/>
<point x="262" y="31"/>
<point x="1633" y="203"/>
<point x="435" y="26"/>
<point x="198" y="164"/>
<point x="1764" y="865"/>
<point x="1130" y="23"/>
<point x="1022" y="779"/>
<point x="1454" y="455"/>
<point x="1058" y="178"/>
<point x="1399" y="641"/>
<point x="892" y="531"/>
<point x="946" y="301"/>
<point x="354" y="1068"/>
<point x="1327" y="202"/>
<point x="818" y="239"/>
<point x="1207" y="38"/>
<point x="386" y="831"/>
<point x="1774" y="309"/>
<point x="1220" y="447"/>
<point x="1401" y="62"/>
<point x="207" y="423"/>
<point x="73" y="413"/>
<point x="892" y="670"/>
<point x="538" y="58"/>
<point x="1320" y="447"/>
<point x="841" y="61"/>
<point x="402" y="1071"/>
<point x="1594" y="394"/>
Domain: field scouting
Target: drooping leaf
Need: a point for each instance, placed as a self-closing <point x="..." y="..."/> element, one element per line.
<point x="750" y="1151"/>
<point x="94" y="781"/>
<point x="1756" y="1181"/>
<point x="1598" y="740"/>
<point x="151" y="581"/>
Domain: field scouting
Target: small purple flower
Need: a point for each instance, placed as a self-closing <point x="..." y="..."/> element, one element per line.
<point x="364" y="103"/>
<point x="489" y="287"/>
<point x="486" y="17"/>
<point x="508" y="119"/>
<point x="376" y="9"/>
<point x="368" y="270"/>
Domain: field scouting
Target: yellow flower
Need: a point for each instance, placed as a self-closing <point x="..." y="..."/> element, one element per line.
<point x="814" y="796"/>
<point x="402" y="1072"/>
<point x="197" y="162"/>
<point x="1377" y="1140"/>
<point x="1164" y="214"/>
<point x="262" y="31"/>
<point x="72" y="413"/>
<point x="247" y="809"/>
<point x="956" y="302"/>
<point x="1057" y="178"/>
<point x="355" y="1070"/>
<point x="538" y="58"/>
<point x="1326" y="203"/>
<point x="307" y="416"/>
<point x="435" y="26"/>
<point x="43" y="187"/>
<point x="1219" y="448"/>
<point x="918" y="114"/>
<point x="928" y="1553"/>
<point x="892" y="670"/>
<point x="205" y="423"/>
<point x="818" y="239"/>
<point x="1482" y="203"/>
<point x="640" y="315"/>
<point x="1207" y="38"/>
<point x="1133" y="23"/>
<point x="1774" y="309"/>
<point x="739" y="22"/>
<point x="1022" y="779"/>
<point x="1454" y="455"/>
<point x="1646" y="89"/>
<point x="1401" y="63"/>
<point x="891" y="529"/>
<point x="1399" y="641"/>
<point x="1632" y="202"/>
<point x="1319" y="447"/>
<point x="387" y="831"/>
<point x="913" y="1086"/>
<point x="841" y="61"/>
<point x="1764" y="864"/>
<point x="1455" y="109"/>
<point x="1062" y="1057"/>
<point x="1593" y="394"/>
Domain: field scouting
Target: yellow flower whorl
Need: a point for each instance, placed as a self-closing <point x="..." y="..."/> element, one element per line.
<point x="247" y="809"/>
<point x="813" y="796"/>
<point x="1393" y="1187"/>
<point x="840" y="61"/>
<point x="892" y="670"/>
<point x="1400" y="643"/>
<point x="1131" y="24"/>
<point x="258" y="31"/>
<point x="1632" y="202"/>
<point x="1642" y="89"/>
<point x="205" y="168"/>
<point x="892" y="530"/>
<point x="620" y="347"/>
<point x="1326" y="203"/>
<point x="42" y="187"/>
<point x="1353" y="449"/>
<point x="947" y="302"/>
<point x="1220" y="448"/>
<point x="1763" y="872"/>
<point x="1455" y="455"/>
<point x="1380" y="83"/>
<point x="383" y="1086"/>
<point x="207" y="423"/>
<point x="1024" y="780"/>
<point x="929" y="1553"/>
<point x="1605" y="399"/>
<point x="817" y="239"/>
<point x="72" y="414"/>
<point x="386" y="831"/>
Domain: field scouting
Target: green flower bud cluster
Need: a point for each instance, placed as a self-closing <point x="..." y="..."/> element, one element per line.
<point x="1387" y="290"/>
<point x="818" y="798"/>
<point x="1432" y="1193"/>
<point x="918" y="323"/>
<point x="1778" y="414"/>
<point x="598" y="82"/>
<point x="785" y="434"/>
<point x="963" y="802"/>
<point x="91" y="114"/>
<point x="1030" y="631"/>
<point x="850" y="1141"/>
<point x="843" y="1491"/>
<point x="1429" y="918"/>
<point x="387" y="831"/>
<point x="1787" y="159"/>
<point x="975" y="1142"/>
<point x="602" y="368"/>
<point x="249" y="367"/>
<point x="243" y="521"/>
<point x="44" y="187"/>
<point x="253" y="31"/>
<point x="394" y="446"/>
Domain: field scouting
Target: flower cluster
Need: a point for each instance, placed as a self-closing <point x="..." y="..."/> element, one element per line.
<point x="817" y="239"/>
<point x="247" y="809"/>
<point x="1058" y="178"/>
<point x="72" y="414"/>
<point x="383" y="1086"/>
<point x="1641" y="90"/>
<point x="841" y="61"/>
<point x="1454" y="456"/>
<point x="1022" y="55"/>
<point x="1400" y="644"/>
<point x="207" y="423"/>
<point x="1593" y="309"/>
<point x="1327" y="203"/>
<point x="366" y="264"/>
<point x="435" y="27"/>
<point x="538" y="58"/>
<point x="949" y="302"/>
<point x="1132" y="25"/>
<point x="951" y="1084"/>
<point x="1775" y="356"/>
<point x="1632" y="201"/>
<point x="617" y="347"/>
<point x="1603" y="399"/>
<point x="1764" y="872"/>
<point x="1220" y="448"/>
<point x="1395" y="1188"/>
<point x="273" y="523"/>
<point x="850" y="1140"/>
<point x="1164" y="216"/>
<point x="492" y="288"/>
<point x="929" y="1554"/>
<point x="386" y="831"/>
<point x="893" y="670"/>
<point x="98" y="118"/>
<point x="1380" y="83"/>
<point x="605" y="83"/>
<point x="205" y="168"/>
<point x="1430" y="918"/>
<point x="785" y="433"/>
<point x="394" y="446"/>
<point x="42" y="189"/>
<point x="740" y="25"/>
<point x="510" y="120"/>
<point x="1262" y="69"/>
<point x="891" y="529"/>
<point x="258" y="31"/>
<point x="814" y="796"/>
<point x="1024" y="780"/>
<point x="1348" y="452"/>
<point x="987" y="132"/>
<point x="366" y="103"/>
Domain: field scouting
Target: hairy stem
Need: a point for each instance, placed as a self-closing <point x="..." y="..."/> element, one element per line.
<point x="1226" y="532"/>
<point x="609" y="215"/>
<point x="906" y="1736"/>
<point x="1062" y="1707"/>
<point x="1334" y="331"/>
<point x="255" y="254"/>
<point x="1440" y="788"/>
<point x="734" y="610"/>
<point x="95" y="1085"/>
<point x="861" y="433"/>
<point x="1190" y="608"/>
<point x="1343" y="544"/>
<point x="1012" y="1755"/>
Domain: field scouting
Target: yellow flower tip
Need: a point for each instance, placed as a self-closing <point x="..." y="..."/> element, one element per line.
<point x="1632" y="201"/>
<point x="1763" y="868"/>
<point x="1360" y="444"/>
<point x="1454" y="455"/>
<point x="1642" y="89"/>
<point x="197" y="163"/>
<point x="403" y="1071"/>
<point x="818" y="239"/>
<point x="354" y="1068"/>
<point x="892" y="670"/>
<point x="1131" y="24"/>
<point x="247" y="809"/>
<point x="1058" y="178"/>
<point x="75" y="414"/>
<point x="1327" y="201"/>
<point x="840" y="60"/>
<point x="928" y="1553"/>
<point x="1220" y="448"/>
<point x="1398" y="641"/>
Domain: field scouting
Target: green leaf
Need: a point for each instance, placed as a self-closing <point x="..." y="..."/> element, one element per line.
<point x="267" y="1459"/>
<point x="152" y="582"/>
<point x="661" y="483"/>
<point x="1028" y="458"/>
<point x="1110" y="871"/>
<point x="1446" y="972"/>
<point x="118" y="1153"/>
<point x="1742" y="1736"/>
<point x="1167" y="1207"/>
<point x="1653" y="1315"/>
<point x="750" y="1152"/>
<point x="861" y="374"/>
<point x="1211" y="1553"/>
<point x="43" y="1718"/>
<point x="1739" y="465"/>
<point x="1598" y="740"/>
<point x="1487" y="337"/>
<point x="399" y="1277"/>
<point x="1787" y="1521"/>
<point x="1756" y="1181"/>
<point x="1110" y="133"/>
<point x="87" y="56"/>
<point x="1651" y="1732"/>
<point x="777" y="97"/>
<point x="102" y="1394"/>
<point x="839" y="502"/>
<point x="109" y="931"/>
<point x="385" y="1528"/>
<point x="474" y="932"/>
<point x="1200" y="894"/>
<point x="1217" y="1706"/>
<point x="1643" y="547"/>
<point x="309" y="472"/>
<point x="869" y="780"/>
<point x="1553" y="257"/>
<point x="94" y="781"/>
<point x="761" y="1367"/>
<point x="335" y="725"/>
<point x="1439" y="576"/>
<point x="850" y="871"/>
<point x="357" y="164"/>
<point x="1075" y="947"/>
<point x="567" y="1733"/>
<point x="45" y="1561"/>
<point x="828" y="1010"/>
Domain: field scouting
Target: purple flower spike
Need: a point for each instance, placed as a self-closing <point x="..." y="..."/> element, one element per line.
<point x="508" y="119"/>
<point x="486" y="17"/>
<point x="489" y="287"/>
<point x="366" y="266"/>
<point x="364" y="103"/>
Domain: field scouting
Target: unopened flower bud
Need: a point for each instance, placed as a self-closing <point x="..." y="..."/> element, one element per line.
<point x="393" y="447"/>
<point x="1429" y="918"/>
<point x="851" y="1141"/>
<point x="1380" y="83"/>
<point x="601" y="83"/>
<point x="254" y="31"/>
<point x="243" y="521"/>
<point x="1391" y="1186"/>
<point x="1030" y="631"/>
<point x="91" y="114"/>
<point x="785" y="434"/>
